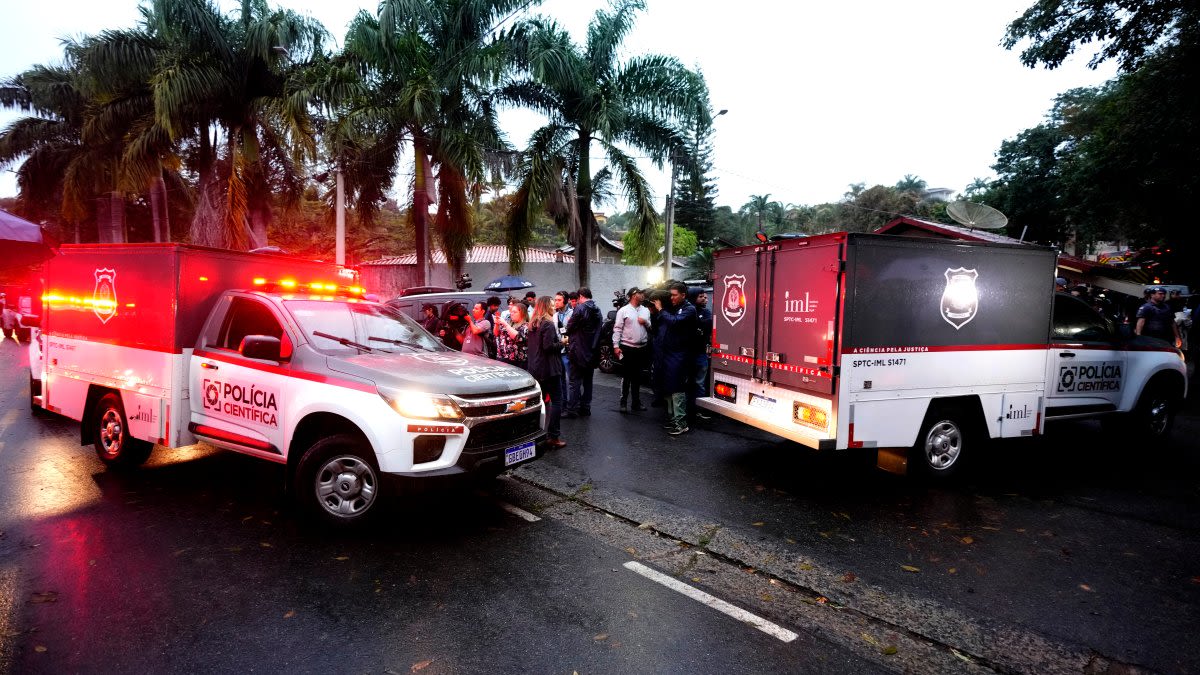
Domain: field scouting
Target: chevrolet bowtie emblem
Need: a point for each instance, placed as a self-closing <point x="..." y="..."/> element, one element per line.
<point x="515" y="406"/>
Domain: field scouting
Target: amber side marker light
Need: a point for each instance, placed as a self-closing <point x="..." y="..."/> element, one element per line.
<point x="810" y="416"/>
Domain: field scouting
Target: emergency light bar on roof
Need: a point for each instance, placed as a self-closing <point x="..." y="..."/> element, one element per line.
<point x="313" y="287"/>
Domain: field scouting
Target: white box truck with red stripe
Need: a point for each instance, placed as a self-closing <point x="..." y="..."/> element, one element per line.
<point x="921" y="348"/>
<point x="273" y="357"/>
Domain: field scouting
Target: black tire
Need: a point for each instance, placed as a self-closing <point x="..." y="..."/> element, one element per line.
<point x="947" y="437"/>
<point x="608" y="360"/>
<point x="338" y="481"/>
<point x="110" y="435"/>
<point x="1154" y="415"/>
<point x="37" y="410"/>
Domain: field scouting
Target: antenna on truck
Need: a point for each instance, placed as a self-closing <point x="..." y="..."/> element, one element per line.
<point x="975" y="215"/>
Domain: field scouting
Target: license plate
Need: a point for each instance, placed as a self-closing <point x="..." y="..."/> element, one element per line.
<point x="519" y="454"/>
<point x="762" y="402"/>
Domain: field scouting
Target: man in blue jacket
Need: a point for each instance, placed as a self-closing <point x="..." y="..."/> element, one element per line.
<point x="678" y="325"/>
<point x="582" y="330"/>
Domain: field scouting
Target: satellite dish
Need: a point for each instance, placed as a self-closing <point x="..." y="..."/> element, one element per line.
<point x="975" y="215"/>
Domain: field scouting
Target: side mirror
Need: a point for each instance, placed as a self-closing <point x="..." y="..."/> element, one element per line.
<point x="261" y="347"/>
<point x="30" y="321"/>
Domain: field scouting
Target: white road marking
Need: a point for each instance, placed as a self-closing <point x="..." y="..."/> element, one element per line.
<point x="520" y="513"/>
<point x="774" y="630"/>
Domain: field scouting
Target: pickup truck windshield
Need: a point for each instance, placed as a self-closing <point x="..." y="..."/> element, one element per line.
<point x="376" y="326"/>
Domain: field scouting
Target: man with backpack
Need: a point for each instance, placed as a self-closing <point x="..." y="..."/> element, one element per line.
<point x="583" y="349"/>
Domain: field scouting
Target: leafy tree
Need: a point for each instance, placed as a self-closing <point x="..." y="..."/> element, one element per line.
<point x="683" y="244"/>
<point x="232" y="75"/>
<point x="912" y="184"/>
<point x="429" y="67"/>
<point x="702" y="265"/>
<point x="1128" y="30"/>
<point x="695" y="190"/>
<point x="591" y="97"/>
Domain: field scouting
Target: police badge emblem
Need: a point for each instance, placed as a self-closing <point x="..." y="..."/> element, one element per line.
<point x="960" y="300"/>
<point x="104" y="296"/>
<point x="733" y="301"/>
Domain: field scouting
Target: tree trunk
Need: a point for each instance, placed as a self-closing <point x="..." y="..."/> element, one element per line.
<point x="158" y="209"/>
<point x="110" y="218"/>
<point x="583" y="199"/>
<point x="420" y="211"/>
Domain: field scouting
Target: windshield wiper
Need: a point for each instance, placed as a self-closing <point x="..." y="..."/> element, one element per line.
<point x="345" y="342"/>
<point x="390" y="341"/>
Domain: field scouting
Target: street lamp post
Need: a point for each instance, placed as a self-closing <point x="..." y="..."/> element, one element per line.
<point x="669" y="225"/>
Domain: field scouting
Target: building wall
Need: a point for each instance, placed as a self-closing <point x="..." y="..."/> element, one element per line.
<point x="549" y="278"/>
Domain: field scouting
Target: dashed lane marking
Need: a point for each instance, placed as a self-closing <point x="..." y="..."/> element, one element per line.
<point x="774" y="630"/>
<point x="520" y="513"/>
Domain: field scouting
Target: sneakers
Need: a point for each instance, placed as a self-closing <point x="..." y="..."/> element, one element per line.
<point x="638" y="407"/>
<point x="676" y="431"/>
<point x="624" y="406"/>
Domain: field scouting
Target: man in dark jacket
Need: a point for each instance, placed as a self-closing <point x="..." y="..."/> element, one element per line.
<point x="699" y="356"/>
<point x="678" y="326"/>
<point x="582" y="329"/>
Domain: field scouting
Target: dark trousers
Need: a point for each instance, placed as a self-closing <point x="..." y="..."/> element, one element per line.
<point x="581" y="389"/>
<point x="552" y="395"/>
<point x="633" y="362"/>
<point x="699" y="381"/>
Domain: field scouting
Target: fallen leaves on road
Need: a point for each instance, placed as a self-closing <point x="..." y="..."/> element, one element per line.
<point x="646" y="525"/>
<point x="265" y="544"/>
<point x="953" y="570"/>
<point x="342" y="557"/>
<point x="910" y="568"/>
<point x="290" y="613"/>
<point x="601" y="637"/>
<point x="1086" y="588"/>
<point x="788" y="540"/>
<point x="420" y="665"/>
<point x="869" y="639"/>
<point x="961" y="655"/>
<point x="804" y="567"/>
<point x="766" y="597"/>
<point x="822" y="600"/>
<point x="890" y="650"/>
<point x="41" y="649"/>
<point x="849" y="577"/>
<point x="759" y="524"/>
<point x="968" y="540"/>
<point x="43" y="597"/>
<point x="631" y="551"/>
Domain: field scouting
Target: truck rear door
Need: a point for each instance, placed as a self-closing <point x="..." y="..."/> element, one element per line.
<point x="799" y="314"/>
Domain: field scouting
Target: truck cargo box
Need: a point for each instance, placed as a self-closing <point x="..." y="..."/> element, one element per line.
<point x="154" y="296"/>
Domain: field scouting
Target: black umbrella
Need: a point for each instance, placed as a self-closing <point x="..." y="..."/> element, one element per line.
<point x="24" y="243"/>
<point x="508" y="283"/>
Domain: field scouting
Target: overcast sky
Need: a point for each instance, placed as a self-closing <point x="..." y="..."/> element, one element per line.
<point x="820" y="94"/>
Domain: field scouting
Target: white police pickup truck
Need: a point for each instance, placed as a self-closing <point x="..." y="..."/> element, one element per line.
<point x="275" y="358"/>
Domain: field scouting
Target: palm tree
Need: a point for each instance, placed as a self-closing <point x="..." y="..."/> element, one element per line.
<point x="215" y="81"/>
<point x="591" y="97"/>
<point x="63" y="167"/>
<point x="427" y="68"/>
<point x="759" y="207"/>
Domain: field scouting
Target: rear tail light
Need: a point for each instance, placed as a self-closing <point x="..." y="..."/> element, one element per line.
<point x="725" y="392"/>
<point x="810" y="416"/>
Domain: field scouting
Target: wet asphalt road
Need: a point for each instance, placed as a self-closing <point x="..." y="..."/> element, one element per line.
<point x="1074" y="536"/>
<point x="195" y="564"/>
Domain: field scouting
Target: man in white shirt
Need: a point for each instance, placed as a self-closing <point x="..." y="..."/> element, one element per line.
<point x="631" y="344"/>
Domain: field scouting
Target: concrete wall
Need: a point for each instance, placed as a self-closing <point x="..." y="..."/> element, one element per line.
<point x="389" y="280"/>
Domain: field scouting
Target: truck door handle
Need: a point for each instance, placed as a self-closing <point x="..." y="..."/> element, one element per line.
<point x="1067" y="355"/>
<point x="208" y="366"/>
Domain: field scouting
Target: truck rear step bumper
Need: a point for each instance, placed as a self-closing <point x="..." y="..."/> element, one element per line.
<point x="792" y="434"/>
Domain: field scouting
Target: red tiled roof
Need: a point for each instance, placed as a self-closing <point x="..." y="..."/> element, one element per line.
<point x="480" y="253"/>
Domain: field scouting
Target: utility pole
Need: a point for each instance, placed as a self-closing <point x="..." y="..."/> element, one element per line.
<point x="340" y="250"/>
<point x="669" y="227"/>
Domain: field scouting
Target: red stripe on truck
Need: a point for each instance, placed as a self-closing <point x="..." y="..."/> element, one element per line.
<point x="285" y="371"/>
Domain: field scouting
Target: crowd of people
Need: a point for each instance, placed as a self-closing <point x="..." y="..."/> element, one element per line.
<point x="1160" y="313"/>
<point x="558" y="340"/>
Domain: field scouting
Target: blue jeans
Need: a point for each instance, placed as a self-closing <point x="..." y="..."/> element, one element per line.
<point x="564" y="381"/>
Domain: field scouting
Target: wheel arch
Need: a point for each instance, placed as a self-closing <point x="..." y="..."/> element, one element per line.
<point x="94" y="394"/>
<point x="315" y="426"/>
<point x="1166" y="377"/>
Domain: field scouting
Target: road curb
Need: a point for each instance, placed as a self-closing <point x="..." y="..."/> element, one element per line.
<point x="1000" y="646"/>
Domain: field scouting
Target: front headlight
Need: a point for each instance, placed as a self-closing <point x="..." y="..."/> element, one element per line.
<point x="419" y="405"/>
